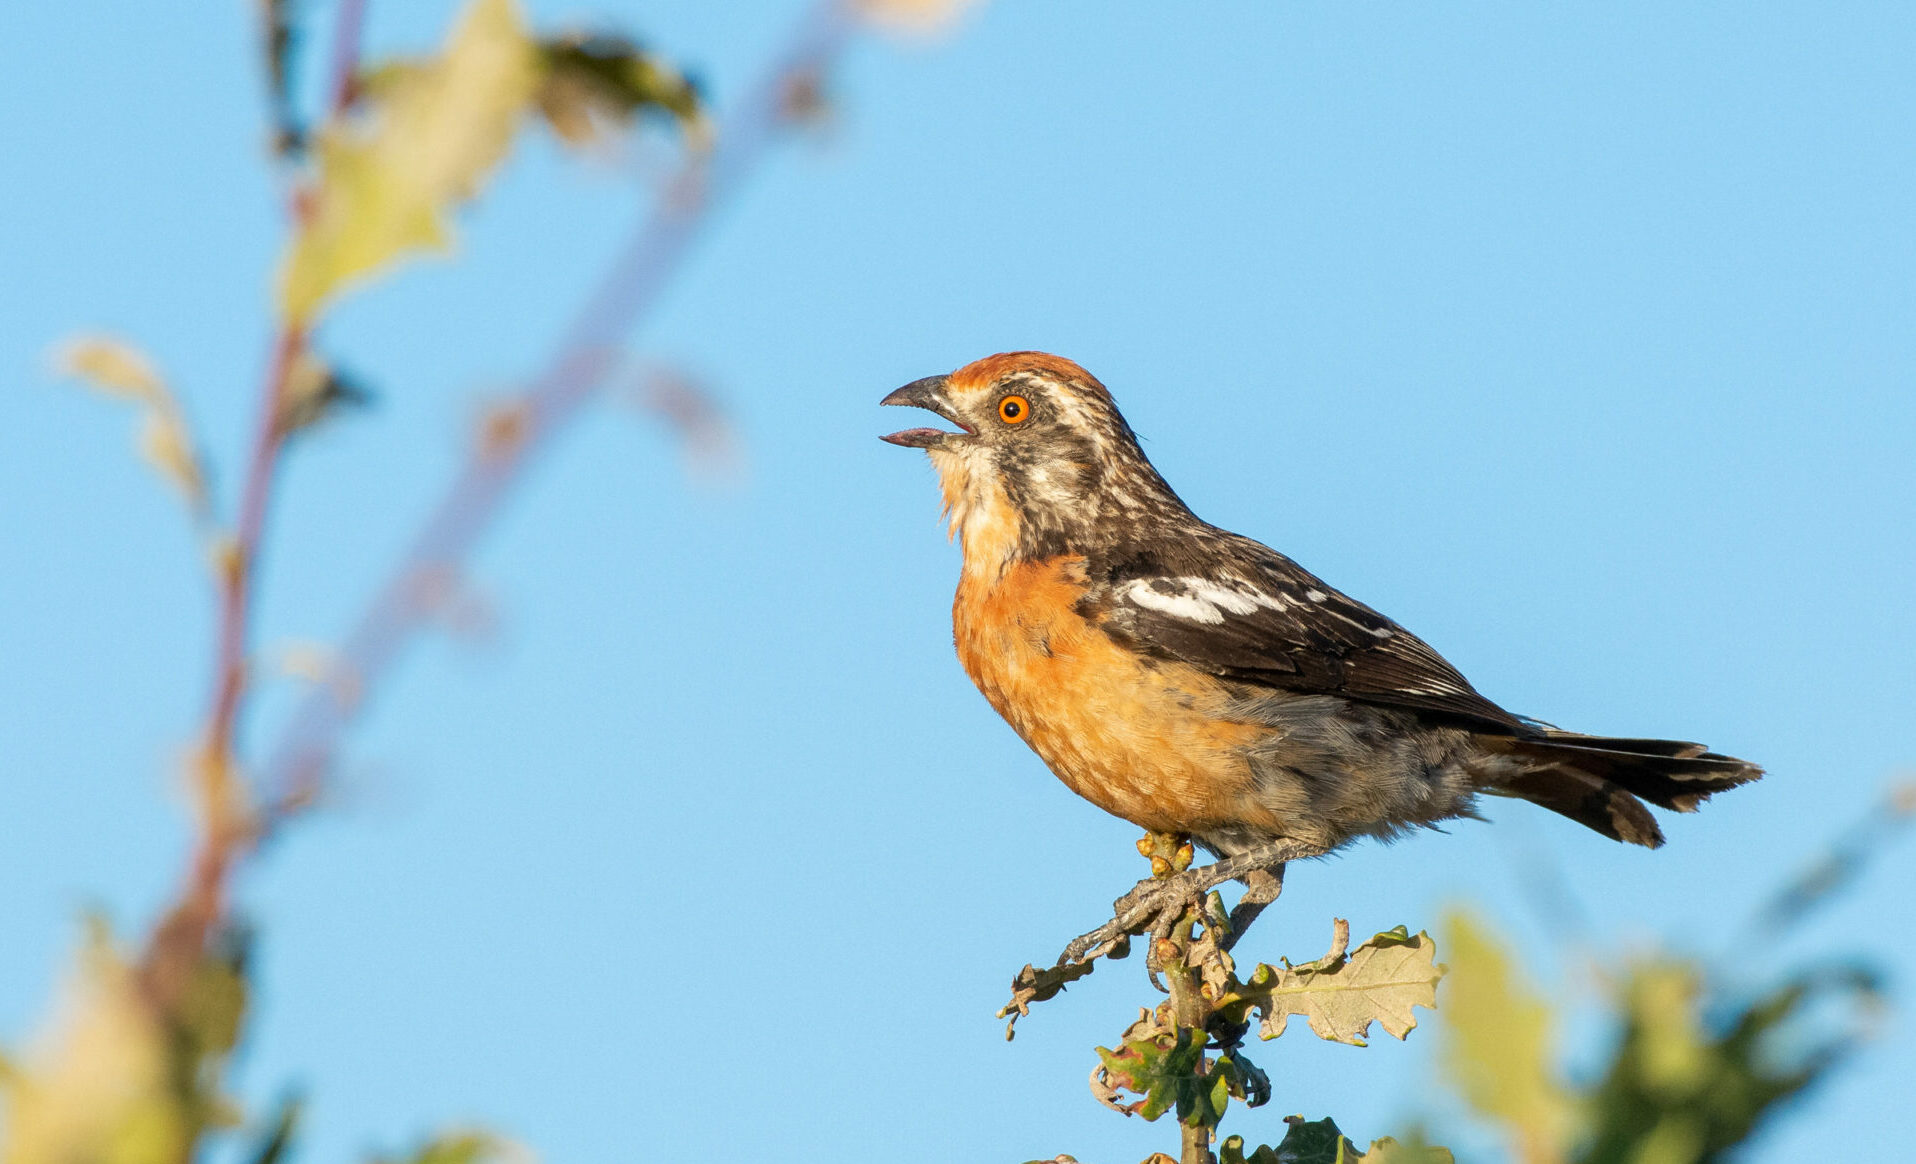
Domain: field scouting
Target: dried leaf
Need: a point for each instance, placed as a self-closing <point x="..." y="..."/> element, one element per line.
<point x="314" y="391"/>
<point x="118" y="369"/>
<point x="921" y="17"/>
<point x="111" y="366"/>
<point x="595" y="85"/>
<point x="1033" y="985"/>
<point x="432" y="133"/>
<point x="1342" y="994"/>
<point x="165" y="445"/>
<point x="696" y="417"/>
<point x="1498" y="1044"/>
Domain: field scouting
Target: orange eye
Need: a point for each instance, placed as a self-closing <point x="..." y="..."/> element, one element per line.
<point x="1014" y="409"/>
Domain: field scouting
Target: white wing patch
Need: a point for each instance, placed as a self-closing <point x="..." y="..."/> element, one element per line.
<point x="1198" y="599"/>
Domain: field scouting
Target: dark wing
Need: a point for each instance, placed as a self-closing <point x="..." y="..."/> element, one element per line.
<point x="1246" y="612"/>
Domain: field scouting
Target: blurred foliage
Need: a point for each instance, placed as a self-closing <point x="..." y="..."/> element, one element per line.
<point x="117" y="369"/>
<point x="115" y="1078"/>
<point x="423" y="134"/>
<point x="421" y="140"/>
<point x="132" y="1068"/>
<point x="1499" y="1043"/>
<point x="595" y="85"/>
<point x="1695" y="1067"/>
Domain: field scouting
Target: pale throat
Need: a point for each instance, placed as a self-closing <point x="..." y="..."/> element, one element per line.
<point x="977" y="512"/>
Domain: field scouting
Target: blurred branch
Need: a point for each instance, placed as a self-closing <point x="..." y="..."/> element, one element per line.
<point x="348" y="27"/>
<point x="225" y="830"/>
<point x="1841" y="863"/>
<point x="515" y="432"/>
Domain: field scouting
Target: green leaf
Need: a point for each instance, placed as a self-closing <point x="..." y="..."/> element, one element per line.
<point x="431" y="133"/>
<point x="1164" y="1064"/>
<point x="1415" y="1151"/>
<point x="1231" y="1151"/>
<point x="1320" y="1142"/>
<point x="594" y="85"/>
<point x="1313" y="1142"/>
<point x="1498" y="1047"/>
<point x="460" y="1147"/>
<point x="1381" y="982"/>
<point x="1687" y="1085"/>
<point x="280" y="1132"/>
<point x="1160" y="1065"/>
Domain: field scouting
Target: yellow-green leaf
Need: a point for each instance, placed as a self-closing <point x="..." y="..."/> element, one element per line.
<point x="1340" y="996"/>
<point x="95" y="1087"/>
<point x="389" y="175"/>
<point x="1498" y="1044"/>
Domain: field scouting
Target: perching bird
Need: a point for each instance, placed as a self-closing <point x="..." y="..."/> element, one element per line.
<point x="1197" y="683"/>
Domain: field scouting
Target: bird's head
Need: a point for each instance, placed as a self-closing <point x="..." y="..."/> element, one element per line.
<point x="1044" y="462"/>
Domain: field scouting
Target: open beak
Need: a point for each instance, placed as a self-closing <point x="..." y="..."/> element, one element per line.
<point x="928" y="394"/>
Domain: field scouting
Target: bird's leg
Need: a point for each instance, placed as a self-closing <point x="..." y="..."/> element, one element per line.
<point x="1261" y="887"/>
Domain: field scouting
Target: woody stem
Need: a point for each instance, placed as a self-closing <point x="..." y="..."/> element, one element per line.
<point x="1191" y="1011"/>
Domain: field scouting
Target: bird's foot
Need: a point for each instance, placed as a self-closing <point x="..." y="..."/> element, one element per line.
<point x="1154" y="907"/>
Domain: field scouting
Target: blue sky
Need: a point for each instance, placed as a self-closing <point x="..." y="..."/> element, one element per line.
<point x="1576" y="338"/>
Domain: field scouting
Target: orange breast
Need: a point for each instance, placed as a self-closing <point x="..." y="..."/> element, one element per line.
<point x="1141" y="739"/>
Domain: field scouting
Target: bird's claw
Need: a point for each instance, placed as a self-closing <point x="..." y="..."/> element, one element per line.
<point x="1152" y="907"/>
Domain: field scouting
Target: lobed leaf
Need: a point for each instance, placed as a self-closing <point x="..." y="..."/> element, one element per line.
<point x="1341" y="995"/>
<point x="1320" y="1142"/>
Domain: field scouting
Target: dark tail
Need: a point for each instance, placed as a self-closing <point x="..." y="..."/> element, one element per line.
<point x="1597" y="781"/>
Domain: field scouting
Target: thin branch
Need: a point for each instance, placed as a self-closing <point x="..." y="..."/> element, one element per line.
<point x="176" y="944"/>
<point x="628" y="291"/>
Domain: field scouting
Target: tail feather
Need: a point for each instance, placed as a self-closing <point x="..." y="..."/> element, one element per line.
<point x="1597" y="780"/>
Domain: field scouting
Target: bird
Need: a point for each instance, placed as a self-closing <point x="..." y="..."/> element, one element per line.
<point x="1203" y="686"/>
